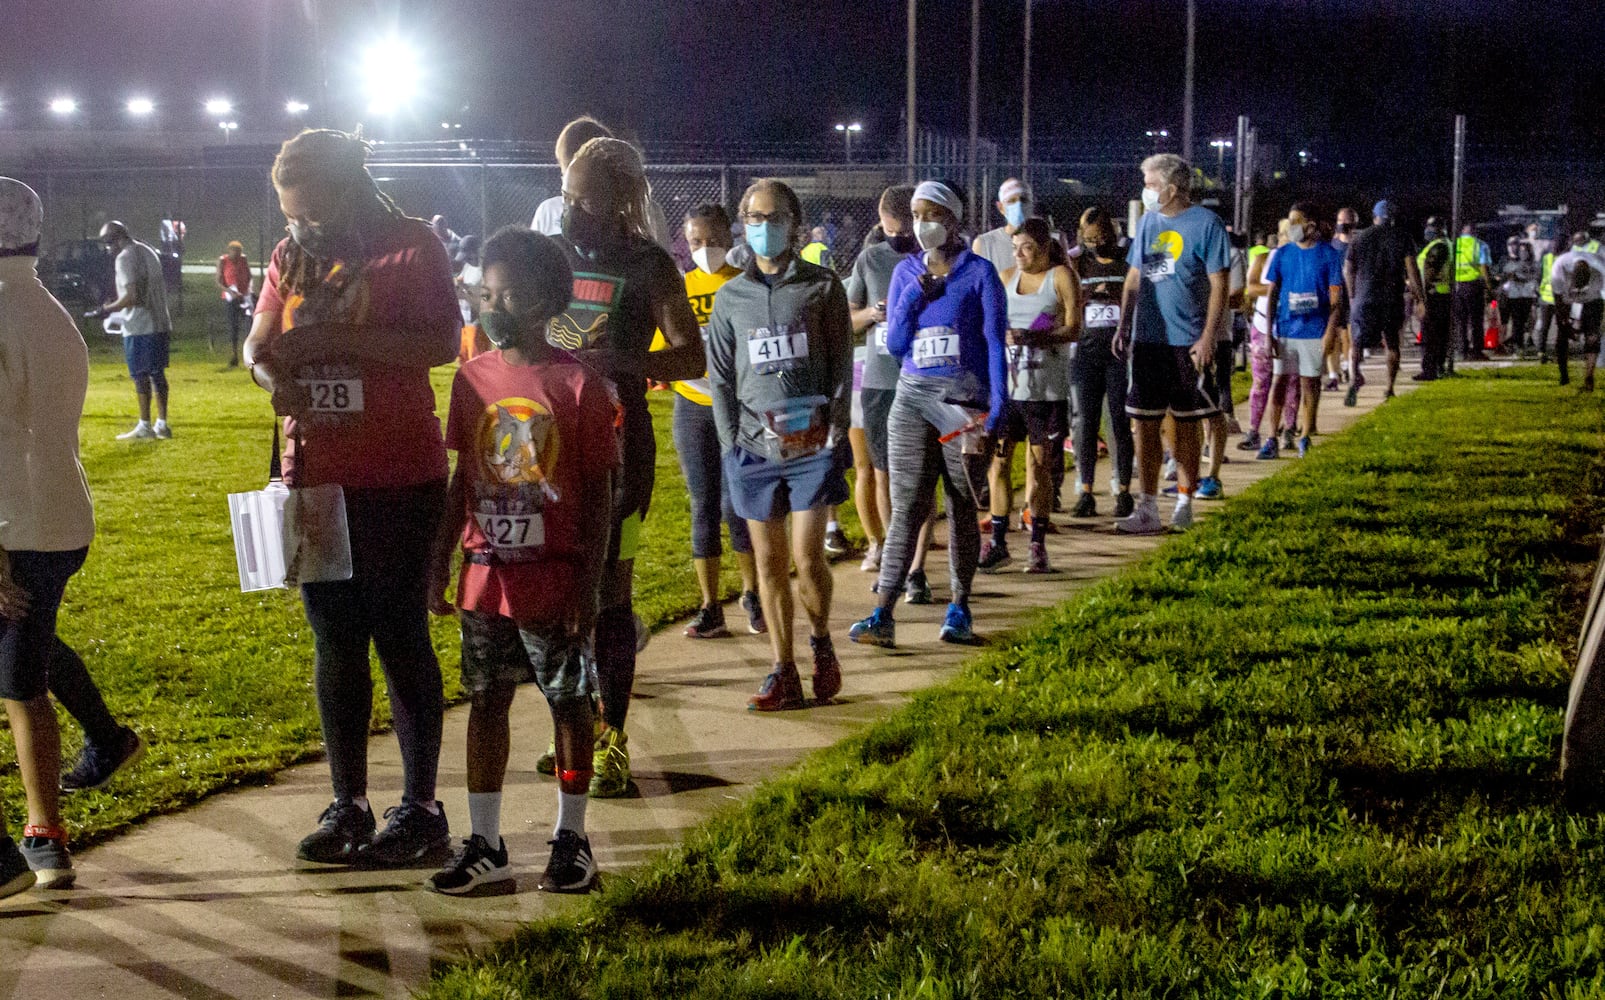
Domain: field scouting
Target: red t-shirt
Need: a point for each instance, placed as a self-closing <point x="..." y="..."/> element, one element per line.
<point x="236" y="272"/>
<point x="532" y="441"/>
<point x="372" y="424"/>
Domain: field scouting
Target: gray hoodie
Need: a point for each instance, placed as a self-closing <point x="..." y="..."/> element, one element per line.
<point x="773" y="344"/>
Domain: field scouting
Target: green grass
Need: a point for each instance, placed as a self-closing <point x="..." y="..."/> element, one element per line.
<point x="220" y="682"/>
<point x="1308" y="750"/>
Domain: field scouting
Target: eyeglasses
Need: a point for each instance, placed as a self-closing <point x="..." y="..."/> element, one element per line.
<point x="759" y="218"/>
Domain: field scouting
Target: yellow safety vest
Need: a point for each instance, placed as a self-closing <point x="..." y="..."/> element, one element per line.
<point x="1256" y="251"/>
<point x="1545" y="293"/>
<point x="1469" y="254"/>
<point x="815" y="253"/>
<point x="1592" y="246"/>
<point x="1441" y="286"/>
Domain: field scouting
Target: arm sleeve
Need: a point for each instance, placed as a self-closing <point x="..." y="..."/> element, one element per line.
<point x="902" y="303"/>
<point x="1273" y="270"/>
<point x="722" y="373"/>
<point x="839" y="331"/>
<point x="127" y="272"/>
<point x="995" y="324"/>
<point x="857" y="288"/>
<point x="1217" y="248"/>
<point x="435" y="294"/>
<point x="457" y="415"/>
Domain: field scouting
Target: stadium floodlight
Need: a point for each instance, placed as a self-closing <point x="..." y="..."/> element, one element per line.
<point x="392" y="74"/>
<point x="848" y="131"/>
<point x="294" y="107"/>
<point x="229" y="128"/>
<point x="63" y="106"/>
<point x="219" y="106"/>
<point x="140" y="107"/>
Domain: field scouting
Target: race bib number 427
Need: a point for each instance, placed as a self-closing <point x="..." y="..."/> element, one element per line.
<point x="512" y="532"/>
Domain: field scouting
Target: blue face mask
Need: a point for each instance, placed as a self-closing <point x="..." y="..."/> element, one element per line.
<point x="769" y="239"/>
<point x="1014" y="213"/>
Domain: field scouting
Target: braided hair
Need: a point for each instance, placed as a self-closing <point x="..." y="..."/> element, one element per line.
<point x="326" y="160"/>
<point x="620" y="163"/>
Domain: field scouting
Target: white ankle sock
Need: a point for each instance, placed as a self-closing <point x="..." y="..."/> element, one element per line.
<point x="571" y="812"/>
<point x="485" y="816"/>
<point x="832" y="526"/>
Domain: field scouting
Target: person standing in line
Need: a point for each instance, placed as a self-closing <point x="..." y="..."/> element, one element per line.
<point x="1518" y="290"/>
<point x="549" y="213"/>
<point x="1337" y="358"/>
<point x="1545" y="312"/>
<point x="867" y="287"/>
<point x="780" y="368"/>
<point x="234" y="284"/>
<point x="47" y="522"/>
<point x="947" y="315"/>
<point x="537" y="455"/>
<point x="1473" y="286"/>
<point x="146" y="327"/>
<point x="1172" y="309"/>
<point x="357" y="306"/>
<point x="1256" y="294"/>
<point x="1578" y="281"/>
<point x="1044" y="308"/>
<point x="996" y="246"/>
<point x="1435" y="262"/>
<point x="696" y="441"/>
<point x="1377" y="270"/>
<point x="1306" y="279"/>
<point x="1096" y="373"/>
<point x="626" y="288"/>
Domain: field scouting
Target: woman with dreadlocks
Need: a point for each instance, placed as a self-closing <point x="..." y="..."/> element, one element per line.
<point x="356" y="307"/>
<point x="625" y="288"/>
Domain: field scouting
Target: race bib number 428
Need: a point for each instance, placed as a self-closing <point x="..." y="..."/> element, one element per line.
<point x="334" y="395"/>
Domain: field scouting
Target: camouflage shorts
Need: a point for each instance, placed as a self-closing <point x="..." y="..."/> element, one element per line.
<point x="498" y="651"/>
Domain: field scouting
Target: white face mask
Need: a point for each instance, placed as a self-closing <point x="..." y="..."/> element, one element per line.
<point x="1150" y="200"/>
<point x="931" y="235"/>
<point x="1295" y="232"/>
<point x="709" y="259"/>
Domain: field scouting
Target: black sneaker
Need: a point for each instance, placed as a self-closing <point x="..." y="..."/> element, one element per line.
<point x="754" y="609"/>
<point x="836" y="543"/>
<point x="15" y="875"/>
<point x="917" y="590"/>
<point x="476" y="870"/>
<point x="343" y="830"/>
<point x="994" y="556"/>
<point x="412" y="837"/>
<point x="1124" y="505"/>
<point x="571" y="869"/>
<point x="707" y="623"/>
<point x="1087" y="506"/>
<point x="97" y="765"/>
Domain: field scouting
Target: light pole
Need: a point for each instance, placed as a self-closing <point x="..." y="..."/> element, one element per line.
<point x="847" y="135"/>
<point x="1155" y="135"/>
<point x="140" y="107"/>
<point x="63" y="107"/>
<point x="229" y="128"/>
<point x="294" y="107"/>
<point x="1221" y="146"/>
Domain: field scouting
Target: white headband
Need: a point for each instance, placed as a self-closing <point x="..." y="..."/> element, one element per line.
<point x="938" y="193"/>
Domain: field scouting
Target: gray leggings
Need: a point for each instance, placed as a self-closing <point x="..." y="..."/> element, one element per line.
<point x="915" y="460"/>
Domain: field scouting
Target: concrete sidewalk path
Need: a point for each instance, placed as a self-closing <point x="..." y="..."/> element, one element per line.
<point x="210" y="903"/>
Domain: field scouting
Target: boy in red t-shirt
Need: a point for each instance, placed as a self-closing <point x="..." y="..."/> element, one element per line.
<point x="537" y="453"/>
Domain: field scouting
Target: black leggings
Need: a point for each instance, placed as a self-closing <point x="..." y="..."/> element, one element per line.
<point x="385" y="603"/>
<point x="1096" y="375"/>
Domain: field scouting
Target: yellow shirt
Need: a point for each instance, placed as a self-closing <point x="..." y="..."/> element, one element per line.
<point x="700" y="287"/>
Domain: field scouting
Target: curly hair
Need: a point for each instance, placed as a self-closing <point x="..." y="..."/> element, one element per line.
<point x="620" y="164"/>
<point x="786" y="196"/>
<point x="537" y="264"/>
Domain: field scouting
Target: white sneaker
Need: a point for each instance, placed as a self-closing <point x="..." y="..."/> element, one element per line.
<point x="1182" y="517"/>
<point x="1143" y="521"/>
<point x="163" y="431"/>
<point x="1168" y="472"/>
<point x="872" y="559"/>
<point x="141" y="432"/>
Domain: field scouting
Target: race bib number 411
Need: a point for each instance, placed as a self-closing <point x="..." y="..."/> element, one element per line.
<point x="776" y="350"/>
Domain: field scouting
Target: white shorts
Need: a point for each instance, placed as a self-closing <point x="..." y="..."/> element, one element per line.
<point x="1301" y="356"/>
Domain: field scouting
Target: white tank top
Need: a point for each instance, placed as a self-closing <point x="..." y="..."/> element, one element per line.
<point x="1036" y="374"/>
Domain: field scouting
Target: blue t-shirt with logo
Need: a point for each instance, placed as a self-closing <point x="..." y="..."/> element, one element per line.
<point x="1176" y="255"/>
<point x="1307" y="277"/>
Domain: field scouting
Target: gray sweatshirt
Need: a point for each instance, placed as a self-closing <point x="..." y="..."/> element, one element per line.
<point x="773" y="345"/>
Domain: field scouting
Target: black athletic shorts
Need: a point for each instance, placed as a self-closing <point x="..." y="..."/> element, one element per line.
<point x="1041" y="423"/>
<point x="1165" y="380"/>
<point x="1372" y="328"/>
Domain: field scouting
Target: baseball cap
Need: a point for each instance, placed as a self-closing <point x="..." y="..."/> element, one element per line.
<point x="1382" y="209"/>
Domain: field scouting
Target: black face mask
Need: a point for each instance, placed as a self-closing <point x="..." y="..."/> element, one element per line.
<point x="585" y="230"/>
<point x="1344" y="228"/>
<point x="903" y="243"/>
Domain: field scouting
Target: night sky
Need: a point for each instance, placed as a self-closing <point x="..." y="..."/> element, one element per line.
<point x="1361" y="82"/>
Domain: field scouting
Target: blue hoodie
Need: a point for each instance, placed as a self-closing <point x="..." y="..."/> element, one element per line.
<point x="973" y="305"/>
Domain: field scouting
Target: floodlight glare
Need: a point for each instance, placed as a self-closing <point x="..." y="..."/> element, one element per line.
<point x="63" y="106"/>
<point x="141" y="106"/>
<point x="392" y="75"/>
<point x="294" y="107"/>
<point x="219" y="106"/>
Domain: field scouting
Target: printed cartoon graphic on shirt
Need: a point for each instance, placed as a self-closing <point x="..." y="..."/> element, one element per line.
<point x="584" y="325"/>
<point x="341" y="295"/>
<point x="1159" y="260"/>
<point x="517" y="444"/>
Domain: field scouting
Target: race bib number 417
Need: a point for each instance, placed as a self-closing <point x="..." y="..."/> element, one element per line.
<point x="936" y="347"/>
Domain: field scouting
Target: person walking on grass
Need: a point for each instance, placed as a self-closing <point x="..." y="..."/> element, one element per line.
<point x="537" y="454"/>
<point x="780" y="365"/>
<point x="626" y="288"/>
<point x="1096" y="374"/>
<point x="867" y="287"/>
<point x="357" y="306"/>
<point x="946" y="319"/>
<point x="234" y="285"/>
<point x="47" y="522"/>
<point x="1518" y="291"/>
<point x="696" y="441"/>
<point x="1173" y="306"/>
<point x="1306" y="279"/>
<point x="1044" y="309"/>
<point x="1379" y="267"/>
<point x="1577" y="281"/>
<point x="147" y="330"/>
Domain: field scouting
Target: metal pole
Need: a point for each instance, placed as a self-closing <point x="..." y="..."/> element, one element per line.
<point x="1187" y="95"/>
<point x="1025" y="96"/>
<point x="484" y="201"/>
<point x="1250" y="156"/>
<point x="909" y="99"/>
<point x="1238" y="222"/>
<point x="1456" y="307"/>
<point x="975" y="104"/>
